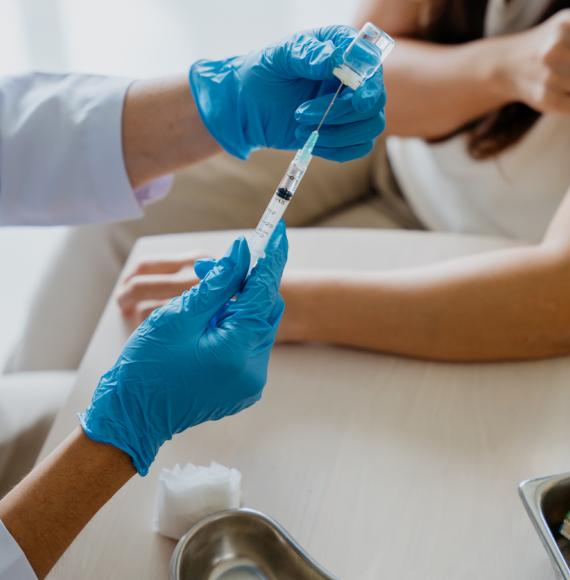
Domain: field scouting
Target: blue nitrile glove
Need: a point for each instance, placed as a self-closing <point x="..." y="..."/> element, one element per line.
<point x="199" y="358"/>
<point x="277" y="96"/>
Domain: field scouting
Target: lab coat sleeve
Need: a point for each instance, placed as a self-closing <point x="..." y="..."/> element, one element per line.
<point x="13" y="562"/>
<point x="61" y="155"/>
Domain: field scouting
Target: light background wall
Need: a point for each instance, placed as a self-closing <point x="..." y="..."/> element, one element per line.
<point x="137" y="38"/>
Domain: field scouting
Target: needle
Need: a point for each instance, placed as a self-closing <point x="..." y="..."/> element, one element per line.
<point x="329" y="108"/>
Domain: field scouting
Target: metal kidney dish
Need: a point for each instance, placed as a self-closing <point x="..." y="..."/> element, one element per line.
<point x="242" y="544"/>
<point x="547" y="500"/>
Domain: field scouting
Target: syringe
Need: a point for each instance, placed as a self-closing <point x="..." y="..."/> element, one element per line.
<point x="281" y="199"/>
<point x="361" y="60"/>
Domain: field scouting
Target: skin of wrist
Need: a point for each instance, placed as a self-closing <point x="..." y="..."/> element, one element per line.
<point x="295" y="324"/>
<point x="306" y="298"/>
<point x="109" y="457"/>
<point x="502" y="72"/>
<point x="61" y="495"/>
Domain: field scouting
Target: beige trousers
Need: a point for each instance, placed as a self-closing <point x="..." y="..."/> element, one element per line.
<point x="220" y="193"/>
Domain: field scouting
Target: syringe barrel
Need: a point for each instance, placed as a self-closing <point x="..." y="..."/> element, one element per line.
<point x="268" y="222"/>
<point x="275" y="210"/>
<point x="293" y="176"/>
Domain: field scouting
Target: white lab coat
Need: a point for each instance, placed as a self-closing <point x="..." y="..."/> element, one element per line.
<point x="61" y="156"/>
<point x="61" y="162"/>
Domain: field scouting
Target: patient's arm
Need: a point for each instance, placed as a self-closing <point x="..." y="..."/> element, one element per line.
<point x="55" y="501"/>
<point x="433" y="90"/>
<point x="508" y="304"/>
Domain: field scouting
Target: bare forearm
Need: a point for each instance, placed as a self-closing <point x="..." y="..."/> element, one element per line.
<point x="434" y="89"/>
<point x="46" y="511"/>
<point x="162" y="129"/>
<point x="510" y="304"/>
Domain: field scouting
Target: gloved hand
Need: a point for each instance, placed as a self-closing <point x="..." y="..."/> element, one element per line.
<point x="276" y="98"/>
<point x="199" y="358"/>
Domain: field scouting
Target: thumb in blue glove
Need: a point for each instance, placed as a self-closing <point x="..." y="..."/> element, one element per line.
<point x="199" y="358"/>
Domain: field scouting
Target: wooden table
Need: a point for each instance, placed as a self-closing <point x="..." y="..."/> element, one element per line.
<point x="381" y="467"/>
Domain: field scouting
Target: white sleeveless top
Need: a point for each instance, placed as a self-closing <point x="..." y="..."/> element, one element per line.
<point x="514" y="194"/>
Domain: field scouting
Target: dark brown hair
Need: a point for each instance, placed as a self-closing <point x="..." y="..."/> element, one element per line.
<point x="460" y="21"/>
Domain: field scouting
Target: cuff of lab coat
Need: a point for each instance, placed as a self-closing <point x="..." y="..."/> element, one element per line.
<point x="13" y="562"/>
<point x="61" y="156"/>
<point x="155" y="190"/>
<point x="107" y="164"/>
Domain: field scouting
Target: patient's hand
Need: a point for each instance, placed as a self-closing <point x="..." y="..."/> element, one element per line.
<point x="538" y="71"/>
<point x="154" y="282"/>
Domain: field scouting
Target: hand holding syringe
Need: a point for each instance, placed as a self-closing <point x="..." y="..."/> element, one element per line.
<point x="361" y="60"/>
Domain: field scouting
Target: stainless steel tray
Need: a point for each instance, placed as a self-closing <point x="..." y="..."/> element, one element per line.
<point x="547" y="500"/>
<point x="242" y="544"/>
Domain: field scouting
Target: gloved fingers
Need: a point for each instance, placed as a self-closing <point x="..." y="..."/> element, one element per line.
<point x="260" y="335"/>
<point x="311" y="112"/>
<point x="314" y="54"/>
<point x="223" y="281"/>
<point x="350" y="106"/>
<point x="308" y="58"/>
<point x="144" y="309"/>
<point x="371" y="94"/>
<point x="266" y="332"/>
<point x="241" y="406"/>
<point x="344" y="154"/>
<point x="261" y="291"/>
<point x="340" y="34"/>
<point x="203" y="266"/>
<point x="342" y="136"/>
<point x="277" y="314"/>
<point x="268" y="338"/>
<point x="327" y="87"/>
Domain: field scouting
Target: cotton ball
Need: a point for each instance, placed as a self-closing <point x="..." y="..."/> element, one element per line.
<point x="187" y="494"/>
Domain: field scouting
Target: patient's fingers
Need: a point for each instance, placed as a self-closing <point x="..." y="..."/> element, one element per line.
<point x="166" y="265"/>
<point x="153" y="287"/>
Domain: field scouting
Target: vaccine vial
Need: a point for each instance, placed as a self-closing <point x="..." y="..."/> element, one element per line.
<point x="364" y="56"/>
